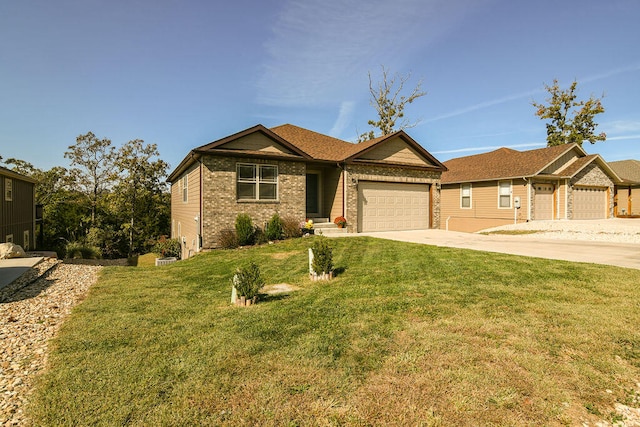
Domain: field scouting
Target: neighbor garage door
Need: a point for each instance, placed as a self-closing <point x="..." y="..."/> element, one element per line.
<point x="589" y="203"/>
<point x="385" y="206"/>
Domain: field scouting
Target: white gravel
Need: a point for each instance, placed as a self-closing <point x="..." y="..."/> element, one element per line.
<point x="608" y="230"/>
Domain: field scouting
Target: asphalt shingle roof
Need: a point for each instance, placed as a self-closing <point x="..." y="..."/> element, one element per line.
<point x="501" y="163"/>
<point x="628" y="170"/>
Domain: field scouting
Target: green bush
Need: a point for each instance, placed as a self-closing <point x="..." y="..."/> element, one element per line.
<point x="78" y="250"/>
<point x="322" y="255"/>
<point x="245" y="230"/>
<point x="273" y="229"/>
<point x="168" y="247"/>
<point x="248" y="281"/>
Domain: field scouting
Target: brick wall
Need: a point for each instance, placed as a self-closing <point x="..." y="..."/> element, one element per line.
<point x="388" y="174"/>
<point x="220" y="204"/>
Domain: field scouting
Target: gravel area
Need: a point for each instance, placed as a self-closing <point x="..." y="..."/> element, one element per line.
<point x="608" y="230"/>
<point x="28" y="319"/>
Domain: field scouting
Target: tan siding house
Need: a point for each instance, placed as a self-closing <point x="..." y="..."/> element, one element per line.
<point x="388" y="183"/>
<point x="508" y="186"/>
<point x="17" y="209"/>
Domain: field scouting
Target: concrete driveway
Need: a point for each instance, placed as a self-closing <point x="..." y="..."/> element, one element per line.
<point x="608" y="253"/>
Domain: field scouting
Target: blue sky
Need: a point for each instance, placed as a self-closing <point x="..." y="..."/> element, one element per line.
<point x="184" y="73"/>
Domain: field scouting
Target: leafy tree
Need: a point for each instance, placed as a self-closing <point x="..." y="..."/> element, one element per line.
<point x="93" y="159"/>
<point x="138" y="191"/>
<point x="389" y="102"/>
<point x="571" y="120"/>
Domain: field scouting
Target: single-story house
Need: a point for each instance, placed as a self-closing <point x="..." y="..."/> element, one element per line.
<point x="388" y="183"/>
<point x="17" y="209"/>
<point x="629" y="189"/>
<point x="506" y="186"/>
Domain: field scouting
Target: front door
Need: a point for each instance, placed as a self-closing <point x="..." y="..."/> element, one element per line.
<point x="313" y="194"/>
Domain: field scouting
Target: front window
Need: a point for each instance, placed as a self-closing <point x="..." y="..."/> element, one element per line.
<point x="504" y="194"/>
<point x="465" y="196"/>
<point x="257" y="182"/>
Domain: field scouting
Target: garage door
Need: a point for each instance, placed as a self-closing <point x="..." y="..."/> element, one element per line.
<point x="589" y="203"/>
<point x="543" y="208"/>
<point x="384" y="206"/>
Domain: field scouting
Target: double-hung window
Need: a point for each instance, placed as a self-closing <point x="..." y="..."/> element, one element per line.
<point x="504" y="194"/>
<point x="185" y="188"/>
<point x="465" y="196"/>
<point x="257" y="182"/>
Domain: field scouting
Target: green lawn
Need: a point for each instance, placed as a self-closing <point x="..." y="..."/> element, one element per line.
<point x="405" y="335"/>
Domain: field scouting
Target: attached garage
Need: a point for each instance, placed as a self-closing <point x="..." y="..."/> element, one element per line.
<point x="387" y="206"/>
<point x="590" y="203"/>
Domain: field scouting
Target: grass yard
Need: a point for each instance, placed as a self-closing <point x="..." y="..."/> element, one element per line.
<point x="406" y="334"/>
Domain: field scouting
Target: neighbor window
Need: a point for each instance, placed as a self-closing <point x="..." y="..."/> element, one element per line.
<point x="257" y="182"/>
<point x="465" y="196"/>
<point x="8" y="189"/>
<point x="185" y="188"/>
<point x="25" y="240"/>
<point x="9" y="238"/>
<point x="504" y="194"/>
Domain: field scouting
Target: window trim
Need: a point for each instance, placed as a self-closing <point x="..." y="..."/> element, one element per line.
<point x="470" y="196"/>
<point x="8" y="189"/>
<point x="8" y="238"/>
<point x="257" y="180"/>
<point x="500" y="195"/>
<point x="184" y="187"/>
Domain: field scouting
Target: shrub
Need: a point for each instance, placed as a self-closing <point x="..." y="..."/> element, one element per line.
<point x="291" y="227"/>
<point x="228" y="239"/>
<point x="322" y="255"/>
<point x="248" y="281"/>
<point x="77" y="250"/>
<point x="259" y="238"/>
<point x="245" y="230"/>
<point x="168" y="247"/>
<point x="273" y="229"/>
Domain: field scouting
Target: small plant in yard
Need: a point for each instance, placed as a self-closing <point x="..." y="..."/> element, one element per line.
<point x="273" y="230"/>
<point x="245" y="230"/>
<point x="77" y="250"/>
<point x="291" y="228"/>
<point x="322" y="263"/>
<point x="247" y="282"/>
<point x="167" y="247"/>
<point x="340" y="222"/>
<point x="228" y="239"/>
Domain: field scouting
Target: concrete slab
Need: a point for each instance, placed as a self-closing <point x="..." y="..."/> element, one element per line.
<point x="11" y="269"/>
<point x="608" y="253"/>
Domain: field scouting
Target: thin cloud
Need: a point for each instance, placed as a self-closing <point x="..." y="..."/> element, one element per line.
<point x="344" y="117"/>
<point x="611" y="73"/>
<point x="320" y="51"/>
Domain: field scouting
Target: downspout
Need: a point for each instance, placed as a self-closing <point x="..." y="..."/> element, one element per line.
<point x="200" y="228"/>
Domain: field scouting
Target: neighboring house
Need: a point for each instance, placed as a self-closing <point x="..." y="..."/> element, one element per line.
<point x="560" y="182"/>
<point x="627" y="192"/>
<point x="389" y="183"/>
<point x="17" y="209"/>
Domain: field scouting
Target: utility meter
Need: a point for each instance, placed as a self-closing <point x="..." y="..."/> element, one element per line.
<point x="516" y="202"/>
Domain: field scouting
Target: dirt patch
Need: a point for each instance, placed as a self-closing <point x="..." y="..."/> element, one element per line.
<point x="282" y="255"/>
<point x="280" y="288"/>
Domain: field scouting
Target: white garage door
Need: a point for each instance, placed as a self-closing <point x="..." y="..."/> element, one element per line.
<point x="384" y="206"/>
<point x="589" y="203"/>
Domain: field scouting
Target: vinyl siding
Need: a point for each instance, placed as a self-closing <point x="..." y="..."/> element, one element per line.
<point x="395" y="151"/>
<point x="18" y="215"/>
<point x="256" y="142"/>
<point x="484" y="211"/>
<point x="184" y="213"/>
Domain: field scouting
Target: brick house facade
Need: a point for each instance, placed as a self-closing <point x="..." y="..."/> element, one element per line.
<point x="302" y="174"/>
